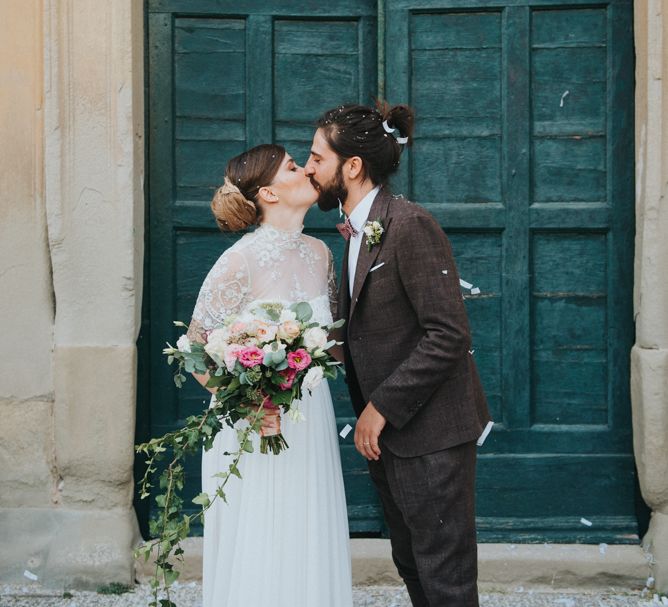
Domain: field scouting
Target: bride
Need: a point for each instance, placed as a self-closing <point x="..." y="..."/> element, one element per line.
<point x="282" y="537"/>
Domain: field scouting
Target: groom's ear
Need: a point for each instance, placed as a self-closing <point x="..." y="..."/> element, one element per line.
<point x="355" y="168"/>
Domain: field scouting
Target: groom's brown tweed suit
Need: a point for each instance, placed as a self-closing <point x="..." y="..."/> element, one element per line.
<point x="407" y="348"/>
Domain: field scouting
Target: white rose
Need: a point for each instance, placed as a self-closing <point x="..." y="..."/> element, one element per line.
<point x="216" y="345"/>
<point x="312" y="378"/>
<point x="315" y="338"/>
<point x="183" y="344"/>
<point x="265" y="332"/>
<point x="368" y="229"/>
<point x="289" y="330"/>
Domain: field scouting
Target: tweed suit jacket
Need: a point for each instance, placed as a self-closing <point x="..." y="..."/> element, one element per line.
<point x="407" y="340"/>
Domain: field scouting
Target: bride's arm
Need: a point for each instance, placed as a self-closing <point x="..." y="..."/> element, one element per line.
<point x="223" y="293"/>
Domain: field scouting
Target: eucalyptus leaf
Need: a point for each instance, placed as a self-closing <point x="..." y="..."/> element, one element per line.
<point x="337" y="324"/>
<point x="303" y="311"/>
<point x="278" y="356"/>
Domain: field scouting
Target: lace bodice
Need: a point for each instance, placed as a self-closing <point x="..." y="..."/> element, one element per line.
<point x="267" y="265"/>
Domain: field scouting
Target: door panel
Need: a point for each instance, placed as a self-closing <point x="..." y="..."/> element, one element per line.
<point x="524" y="153"/>
<point x="224" y="77"/>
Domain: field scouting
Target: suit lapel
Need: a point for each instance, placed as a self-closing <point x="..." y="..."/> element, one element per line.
<point x="367" y="257"/>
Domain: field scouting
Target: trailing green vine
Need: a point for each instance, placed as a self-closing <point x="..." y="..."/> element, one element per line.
<point x="171" y="527"/>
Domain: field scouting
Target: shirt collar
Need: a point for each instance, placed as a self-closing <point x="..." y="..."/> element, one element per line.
<point x="361" y="212"/>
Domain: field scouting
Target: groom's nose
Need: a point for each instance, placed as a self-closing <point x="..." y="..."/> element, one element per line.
<point x="308" y="168"/>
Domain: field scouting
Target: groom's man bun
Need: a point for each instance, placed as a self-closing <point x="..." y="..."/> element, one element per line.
<point x="358" y="130"/>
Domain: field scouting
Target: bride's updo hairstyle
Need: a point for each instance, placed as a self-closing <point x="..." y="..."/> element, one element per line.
<point x="235" y="204"/>
<point x="377" y="135"/>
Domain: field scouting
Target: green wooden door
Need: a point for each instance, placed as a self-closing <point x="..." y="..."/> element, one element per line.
<point x="524" y="151"/>
<point x="225" y="76"/>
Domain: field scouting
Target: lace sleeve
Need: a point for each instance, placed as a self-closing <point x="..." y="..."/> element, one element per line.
<point x="331" y="285"/>
<point x="224" y="292"/>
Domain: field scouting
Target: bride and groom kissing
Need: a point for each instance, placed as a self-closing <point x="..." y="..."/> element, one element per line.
<point x="282" y="537"/>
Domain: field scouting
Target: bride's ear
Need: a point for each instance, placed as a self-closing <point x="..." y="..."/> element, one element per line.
<point x="267" y="195"/>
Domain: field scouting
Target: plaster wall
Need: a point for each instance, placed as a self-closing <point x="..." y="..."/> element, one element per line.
<point x="26" y="297"/>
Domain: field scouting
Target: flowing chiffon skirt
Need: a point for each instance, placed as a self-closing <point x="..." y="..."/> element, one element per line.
<point x="282" y="537"/>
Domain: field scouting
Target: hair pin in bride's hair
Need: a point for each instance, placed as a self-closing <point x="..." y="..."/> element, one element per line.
<point x="229" y="188"/>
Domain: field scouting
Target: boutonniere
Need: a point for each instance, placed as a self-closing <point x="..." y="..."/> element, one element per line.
<point x="374" y="231"/>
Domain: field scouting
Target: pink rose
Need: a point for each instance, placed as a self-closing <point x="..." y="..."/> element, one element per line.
<point x="231" y="355"/>
<point x="238" y="328"/>
<point x="299" y="359"/>
<point x="289" y="375"/>
<point x="251" y="356"/>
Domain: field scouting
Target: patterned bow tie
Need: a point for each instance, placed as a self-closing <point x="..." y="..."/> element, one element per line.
<point x="346" y="229"/>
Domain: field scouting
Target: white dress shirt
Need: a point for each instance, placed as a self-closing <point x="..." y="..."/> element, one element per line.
<point x="358" y="219"/>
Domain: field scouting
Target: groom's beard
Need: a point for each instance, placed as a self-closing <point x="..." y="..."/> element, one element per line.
<point x="330" y="195"/>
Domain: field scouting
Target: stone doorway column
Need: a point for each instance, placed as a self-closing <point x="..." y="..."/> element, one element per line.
<point x="649" y="358"/>
<point x="94" y="163"/>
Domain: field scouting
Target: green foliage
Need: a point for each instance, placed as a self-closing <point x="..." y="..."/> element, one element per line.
<point x="303" y="311"/>
<point x="171" y="527"/>
<point x="113" y="588"/>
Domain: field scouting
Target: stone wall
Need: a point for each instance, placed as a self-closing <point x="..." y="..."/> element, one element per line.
<point x="70" y="290"/>
<point x="649" y="358"/>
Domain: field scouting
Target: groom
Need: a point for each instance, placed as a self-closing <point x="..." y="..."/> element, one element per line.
<point x="409" y="365"/>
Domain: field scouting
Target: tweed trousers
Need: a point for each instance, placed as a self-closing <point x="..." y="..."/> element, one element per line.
<point x="429" y="507"/>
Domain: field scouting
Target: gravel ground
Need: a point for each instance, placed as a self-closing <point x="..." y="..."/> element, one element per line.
<point x="190" y="595"/>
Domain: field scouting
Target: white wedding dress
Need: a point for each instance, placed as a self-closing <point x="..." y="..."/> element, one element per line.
<point x="282" y="537"/>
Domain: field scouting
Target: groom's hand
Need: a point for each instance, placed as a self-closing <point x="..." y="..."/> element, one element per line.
<point x="368" y="429"/>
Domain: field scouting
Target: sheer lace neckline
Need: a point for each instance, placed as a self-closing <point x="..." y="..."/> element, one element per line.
<point x="279" y="236"/>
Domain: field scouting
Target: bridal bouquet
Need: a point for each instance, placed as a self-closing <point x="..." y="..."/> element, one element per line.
<point x="260" y="363"/>
<point x="264" y="361"/>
